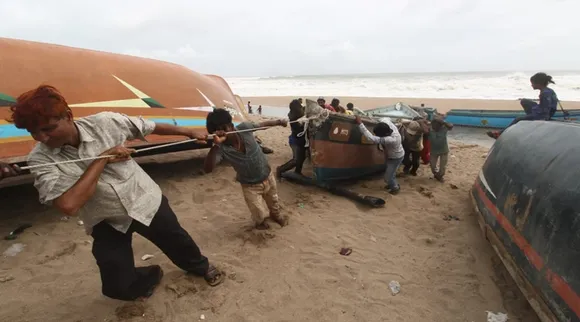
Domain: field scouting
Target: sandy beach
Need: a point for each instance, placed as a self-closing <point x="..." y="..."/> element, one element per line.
<point x="426" y="238"/>
<point x="442" y="105"/>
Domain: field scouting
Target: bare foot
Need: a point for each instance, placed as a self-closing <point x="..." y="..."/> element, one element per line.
<point x="281" y="220"/>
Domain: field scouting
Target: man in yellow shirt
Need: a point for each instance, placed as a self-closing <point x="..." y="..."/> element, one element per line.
<point x="349" y="109"/>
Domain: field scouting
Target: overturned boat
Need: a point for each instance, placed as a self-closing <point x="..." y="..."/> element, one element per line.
<point x="395" y="111"/>
<point x="94" y="81"/>
<point x="526" y="197"/>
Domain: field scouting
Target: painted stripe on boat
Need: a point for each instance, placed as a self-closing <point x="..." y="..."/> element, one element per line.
<point x="8" y="131"/>
<point x="484" y="181"/>
<point x="557" y="283"/>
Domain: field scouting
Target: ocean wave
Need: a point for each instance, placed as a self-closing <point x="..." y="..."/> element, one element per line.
<point x="487" y="85"/>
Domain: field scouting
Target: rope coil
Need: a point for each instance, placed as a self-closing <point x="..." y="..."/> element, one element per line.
<point x="305" y="120"/>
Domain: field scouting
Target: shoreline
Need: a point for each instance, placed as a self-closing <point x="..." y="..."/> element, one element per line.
<point x="442" y="105"/>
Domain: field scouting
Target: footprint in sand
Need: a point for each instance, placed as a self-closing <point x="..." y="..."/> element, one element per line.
<point x="130" y="310"/>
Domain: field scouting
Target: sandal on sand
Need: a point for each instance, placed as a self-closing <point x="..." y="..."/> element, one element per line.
<point x="214" y="276"/>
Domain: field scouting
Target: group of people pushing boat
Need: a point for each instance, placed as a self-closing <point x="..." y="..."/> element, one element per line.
<point x="402" y="144"/>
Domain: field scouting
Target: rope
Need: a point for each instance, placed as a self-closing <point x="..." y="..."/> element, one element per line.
<point x="324" y="113"/>
<point x="303" y="119"/>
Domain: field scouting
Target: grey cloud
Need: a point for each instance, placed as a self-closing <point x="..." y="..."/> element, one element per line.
<point x="259" y="37"/>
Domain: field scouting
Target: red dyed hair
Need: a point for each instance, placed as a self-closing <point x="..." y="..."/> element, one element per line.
<point x="37" y="107"/>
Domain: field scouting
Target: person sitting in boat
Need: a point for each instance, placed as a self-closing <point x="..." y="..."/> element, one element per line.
<point x="112" y="195"/>
<point x="544" y="110"/>
<point x="296" y="142"/>
<point x="387" y="135"/>
<point x="322" y="103"/>
<point x="413" y="145"/>
<point x="350" y="109"/>
<point x="335" y="103"/>
<point x="251" y="165"/>
<point x="439" y="147"/>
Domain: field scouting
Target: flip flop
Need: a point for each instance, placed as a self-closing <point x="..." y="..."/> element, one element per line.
<point x="214" y="276"/>
<point x="345" y="251"/>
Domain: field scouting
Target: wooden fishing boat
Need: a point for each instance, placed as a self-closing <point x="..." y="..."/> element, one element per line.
<point x="339" y="151"/>
<point x="395" y="111"/>
<point x="526" y="197"/>
<point x="94" y="81"/>
<point x="495" y="118"/>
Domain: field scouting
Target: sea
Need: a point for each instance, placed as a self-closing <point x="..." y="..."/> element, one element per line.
<point x="464" y="85"/>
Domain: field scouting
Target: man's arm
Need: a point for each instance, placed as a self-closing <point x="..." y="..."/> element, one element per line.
<point x="270" y="123"/>
<point x="170" y="129"/>
<point x="448" y="125"/>
<point x="72" y="200"/>
<point x="66" y="194"/>
<point x="211" y="159"/>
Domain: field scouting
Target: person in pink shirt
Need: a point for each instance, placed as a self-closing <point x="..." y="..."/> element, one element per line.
<point x="322" y="102"/>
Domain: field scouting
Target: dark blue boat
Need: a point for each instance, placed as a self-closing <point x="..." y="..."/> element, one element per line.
<point x="527" y="199"/>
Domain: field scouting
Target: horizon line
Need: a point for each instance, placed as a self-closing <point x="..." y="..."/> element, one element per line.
<point x="406" y="73"/>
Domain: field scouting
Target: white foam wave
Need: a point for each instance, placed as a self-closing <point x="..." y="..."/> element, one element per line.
<point x="445" y="85"/>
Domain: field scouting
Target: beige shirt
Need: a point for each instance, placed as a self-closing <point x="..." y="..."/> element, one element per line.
<point x="124" y="191"/>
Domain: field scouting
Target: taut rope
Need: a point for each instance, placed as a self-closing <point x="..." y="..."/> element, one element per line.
<point x="324" y="114"/>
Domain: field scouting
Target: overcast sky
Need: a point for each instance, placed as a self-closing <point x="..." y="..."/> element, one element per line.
<point x="297" y="37"/>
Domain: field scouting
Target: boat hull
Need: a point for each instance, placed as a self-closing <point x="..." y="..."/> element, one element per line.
<point x="339" y="151"/>
<point x="94" y="81"/>
<point x="496" y="119"/>
<point x="526" y="196"/>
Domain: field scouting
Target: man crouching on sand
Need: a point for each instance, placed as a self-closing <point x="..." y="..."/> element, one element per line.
<point x="251" y="165"/>
<point x="113" y="196"/>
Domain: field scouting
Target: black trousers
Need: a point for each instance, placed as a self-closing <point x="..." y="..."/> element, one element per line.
<point x="114" y="254"/>
<point x="411" y="160"/>
<point x="297" y="161"/>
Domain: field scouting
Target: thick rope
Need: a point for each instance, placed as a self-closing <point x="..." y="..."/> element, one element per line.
<point x="303" y="119"/>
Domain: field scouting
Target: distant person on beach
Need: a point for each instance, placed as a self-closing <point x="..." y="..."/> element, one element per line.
<point x="113" y="196"/>
<point x="413" y="145"/>
<point x="544" y="110"/>
<point x="439" y="147"/>
<point x="249" y="108"/>
<point x="296" y="142"/>
<point x="350" y="109"/>
<point x="251" y="165"/>
<point x="322" y="103"/>
<point x="260" y="109"/>
<point x="335" y="103"/>
<point x="387" y="135"/>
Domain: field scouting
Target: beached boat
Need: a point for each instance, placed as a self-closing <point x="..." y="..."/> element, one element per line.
<point x="339" y="151"/>
<point x="526" y="197"/>
<point x="94" y="81"/>
<point x="496" y="118"/>
<point x="395" y="111"/>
